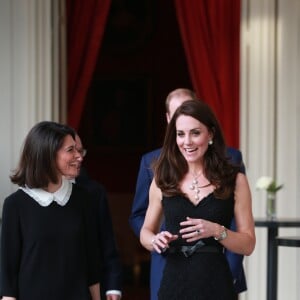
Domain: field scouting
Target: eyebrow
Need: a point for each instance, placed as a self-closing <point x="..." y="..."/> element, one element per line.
<point x="197" y="128"/>
<point x="70" y="146"/>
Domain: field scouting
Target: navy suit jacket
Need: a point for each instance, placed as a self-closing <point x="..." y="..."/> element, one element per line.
<point x="111" y="268"/>
<point x="138" y="212"/>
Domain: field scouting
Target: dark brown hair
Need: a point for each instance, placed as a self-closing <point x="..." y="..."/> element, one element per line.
<point x="37" y="165"/>
<point x="171" y="166"/>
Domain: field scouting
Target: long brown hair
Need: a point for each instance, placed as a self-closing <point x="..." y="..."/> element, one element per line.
<point x="171" y="165"/>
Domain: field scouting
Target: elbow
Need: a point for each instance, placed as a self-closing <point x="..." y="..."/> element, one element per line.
<point x="250" y="247"/>
<point x="249" y="252"/>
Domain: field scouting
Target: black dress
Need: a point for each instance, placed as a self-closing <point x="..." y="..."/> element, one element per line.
<point x="202" y="275"/>
<point x="48" y="252"/>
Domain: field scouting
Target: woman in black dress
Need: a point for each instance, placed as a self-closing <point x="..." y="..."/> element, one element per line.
<point x="198" y="191"/>
<point x="48" y="241"/>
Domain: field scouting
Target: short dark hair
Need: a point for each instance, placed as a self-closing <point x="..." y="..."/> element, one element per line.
<point x="37" y="165"/>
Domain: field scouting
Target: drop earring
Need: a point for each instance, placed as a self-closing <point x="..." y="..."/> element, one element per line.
<point x="210" y="142"/>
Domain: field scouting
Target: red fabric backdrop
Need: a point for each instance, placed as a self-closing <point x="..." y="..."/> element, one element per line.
<point x="210" y="33"/>
<point x="85" y="27"/>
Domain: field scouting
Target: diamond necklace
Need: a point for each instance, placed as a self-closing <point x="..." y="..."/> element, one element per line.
<point x="194" y="186"/>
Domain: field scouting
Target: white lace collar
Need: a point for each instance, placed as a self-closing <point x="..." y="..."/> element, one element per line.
<point x="44" y="198"/>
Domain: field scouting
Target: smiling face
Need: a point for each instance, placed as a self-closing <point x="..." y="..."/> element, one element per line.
<point x="68" y="159"/>
<point x="192" y="138"/>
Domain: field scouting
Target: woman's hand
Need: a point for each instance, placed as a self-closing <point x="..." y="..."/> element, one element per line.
<point x="196" y="229"/>
<point x="113" y="297"/>
<point x="160" y="241"/>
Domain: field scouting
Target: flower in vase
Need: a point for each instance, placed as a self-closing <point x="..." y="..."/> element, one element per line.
<point x="268" y="183"/>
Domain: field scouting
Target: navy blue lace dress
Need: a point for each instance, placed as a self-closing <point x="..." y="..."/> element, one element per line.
<point x="203" y="275"/>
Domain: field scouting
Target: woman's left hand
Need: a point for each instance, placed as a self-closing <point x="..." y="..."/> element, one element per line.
<point x="196" y="229"/>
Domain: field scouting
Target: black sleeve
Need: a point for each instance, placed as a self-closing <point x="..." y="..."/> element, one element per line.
<point x="92" y="248"/>
<point x="111" y="270"/>
<point x="11" y="244"/>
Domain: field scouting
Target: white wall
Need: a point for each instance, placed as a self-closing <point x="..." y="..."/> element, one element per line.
<point x="270" y="140"/>
<point x="5" y="97"/>
<point x="25" y="77"/>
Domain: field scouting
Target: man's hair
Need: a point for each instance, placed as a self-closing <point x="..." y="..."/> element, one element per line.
<point x="178" y="93"/>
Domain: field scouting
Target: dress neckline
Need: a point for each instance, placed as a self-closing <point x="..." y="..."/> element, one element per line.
<point x="200" y="201"/>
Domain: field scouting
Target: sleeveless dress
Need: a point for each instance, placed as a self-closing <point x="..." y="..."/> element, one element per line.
<point x="203" y="275"/>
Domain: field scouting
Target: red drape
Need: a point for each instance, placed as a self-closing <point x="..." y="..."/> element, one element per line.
<point x="210" y="31"/>
<point x="85" y="27"/>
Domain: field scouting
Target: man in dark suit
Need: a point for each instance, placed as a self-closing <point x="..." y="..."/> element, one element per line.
<point x="141" y="201"/>
<point x="111" y="269"/>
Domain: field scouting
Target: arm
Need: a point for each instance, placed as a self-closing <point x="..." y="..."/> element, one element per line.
<point x="243" y="240"/>
<point x="236" y="260"/>
<point x="141" y="197"/>
<point x="111" y="269"/>
<point x="91" y="246"/>
<point x="149" y="237"/>
<point x="10" y="249"/>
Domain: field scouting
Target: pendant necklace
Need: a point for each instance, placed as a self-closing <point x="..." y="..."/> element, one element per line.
<point x="196" y="187"/>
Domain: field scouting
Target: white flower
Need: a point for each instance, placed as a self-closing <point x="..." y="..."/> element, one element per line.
<point x="268" y="183"/>
<point x="263" y="182"/>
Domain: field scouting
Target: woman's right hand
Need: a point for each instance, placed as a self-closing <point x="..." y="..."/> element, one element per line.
<point x="160" y="242"/>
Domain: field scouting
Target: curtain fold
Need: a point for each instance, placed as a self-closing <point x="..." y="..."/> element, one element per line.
<point x="85" y="27"/>
<point x="210" y="32"/>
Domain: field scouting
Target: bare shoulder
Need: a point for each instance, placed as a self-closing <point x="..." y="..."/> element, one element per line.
<point x="241" y="184"/>
<point x="155" y="190"/>
<point x="241" y="179"/>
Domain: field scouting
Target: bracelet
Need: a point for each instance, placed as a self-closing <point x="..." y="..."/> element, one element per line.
<point x="223" y="234"/>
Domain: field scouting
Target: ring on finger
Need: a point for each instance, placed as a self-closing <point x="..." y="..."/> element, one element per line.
<point x="198" y="232"/>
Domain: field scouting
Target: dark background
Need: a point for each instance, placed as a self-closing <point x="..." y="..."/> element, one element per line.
<point x="140" y="61"/>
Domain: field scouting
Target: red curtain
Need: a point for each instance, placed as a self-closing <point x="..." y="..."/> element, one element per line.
<point x="85" y="27"/>
<point x="210" y="31"/>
